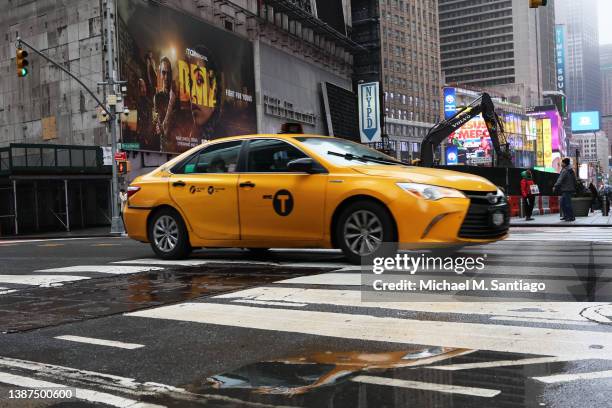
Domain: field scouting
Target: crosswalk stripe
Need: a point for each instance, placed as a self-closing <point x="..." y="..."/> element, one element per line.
<point x="154" y="261"/>
<point x="563" y="311"/>
<point x="110" y="269"/>
<point x="39" y="280"/>
<point x="266" y="303"/>
<point x="81" y="393"/>
<point x="337" y="279"/>
<point x="554" y="379"/>
<point x="512" y="339"/>
<point x="503" y="363"/>
<point x="100" y="342"/>
<point x="423" y="386"/>
<point x="541" y="320"/>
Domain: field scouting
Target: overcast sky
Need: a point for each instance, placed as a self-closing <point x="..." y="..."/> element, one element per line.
<point x="605" y="26"/>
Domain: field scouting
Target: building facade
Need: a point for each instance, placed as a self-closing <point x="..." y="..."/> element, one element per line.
<point x="605" y="58"/>
<point x="501" y="45"/>
<point x="583" y="80"/>
<point x="403" y="46"/>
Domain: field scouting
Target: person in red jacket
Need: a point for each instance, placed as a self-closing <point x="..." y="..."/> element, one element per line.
<point x="528" y="196"/>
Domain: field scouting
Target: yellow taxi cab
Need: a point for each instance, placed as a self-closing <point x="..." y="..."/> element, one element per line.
<point x="303" y="191"/>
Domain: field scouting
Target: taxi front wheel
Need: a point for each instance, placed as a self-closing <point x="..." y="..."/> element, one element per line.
<point x="362" y="229"/>
<point x="168" y="235"/>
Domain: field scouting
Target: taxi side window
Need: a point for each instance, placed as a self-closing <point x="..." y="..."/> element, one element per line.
<point x="271" y="156"/>
<point x="218" y="158"/>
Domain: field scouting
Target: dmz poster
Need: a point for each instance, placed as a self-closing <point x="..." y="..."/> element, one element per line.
<point x="187" y="80"/>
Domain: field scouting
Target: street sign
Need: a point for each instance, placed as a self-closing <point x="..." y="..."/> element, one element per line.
<point x="121" y="156"/>
<point x="369" y="112"/>
<point x="111" y="99"/>
<point x="450" y="102"/>
<point x="128" y="146"/>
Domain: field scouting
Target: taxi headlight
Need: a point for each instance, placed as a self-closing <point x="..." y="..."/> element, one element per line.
<point x="429" y="192"/>
<point x="501" y="196"/>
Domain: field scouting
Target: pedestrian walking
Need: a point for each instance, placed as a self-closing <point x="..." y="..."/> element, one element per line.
<point x="566" y="186"/>
<point x="529" y="190"/>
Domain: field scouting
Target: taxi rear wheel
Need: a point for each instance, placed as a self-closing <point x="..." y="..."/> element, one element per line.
<point x="362" y="229"/>
<point x="168" y="235"/>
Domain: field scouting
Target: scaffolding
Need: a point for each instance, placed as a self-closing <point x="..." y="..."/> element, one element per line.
<point x="53" y="187"/>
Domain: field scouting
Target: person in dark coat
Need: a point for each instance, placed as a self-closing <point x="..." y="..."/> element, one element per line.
<point x="528" y="196"/>
<point x="566" y="185"/>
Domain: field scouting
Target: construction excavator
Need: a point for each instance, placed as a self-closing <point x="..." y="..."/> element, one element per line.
<point x="440" y="132"/>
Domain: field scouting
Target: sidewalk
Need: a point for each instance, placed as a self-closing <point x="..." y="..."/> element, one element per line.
<point x="97" y="232"/>
<point x="595" y="219"/>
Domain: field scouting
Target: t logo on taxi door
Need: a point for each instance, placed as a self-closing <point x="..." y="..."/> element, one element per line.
<point x="283" y="203"/>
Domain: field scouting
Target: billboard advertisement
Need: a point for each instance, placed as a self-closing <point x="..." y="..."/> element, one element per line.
<point x="473" y="142"/>
<point x="560" y="56"/>
<point x="187" y="80"/>
<point x="450" y="102"/>
<point x="547" y="142"/>
<point x="585" y="122"/>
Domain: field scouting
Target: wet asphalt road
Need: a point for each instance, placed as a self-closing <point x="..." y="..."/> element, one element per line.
<point x="289" y="330"/>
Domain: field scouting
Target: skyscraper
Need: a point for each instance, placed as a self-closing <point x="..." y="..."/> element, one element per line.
<point x="605" y="58"/>
<point x="404" y="55"/>
<point x="499" y="44"/>
<point x="583" y="79"/>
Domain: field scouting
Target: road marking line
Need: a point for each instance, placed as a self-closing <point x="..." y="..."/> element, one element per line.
<point x="104" y="245"/>
<point x="111" y="269"/>
<point x="503" y="363"/>
<point x="100" y="342"/>
<point x="152" y="261"/>
<point x="123" y="385"/>
<point x="51" y="245"/>
<point x="352" y="298"/>
<point x="81" y="393"/>
<point x="344" y="279"/>
<point x="553" y="379"/>
<point x="6" y="291"/>
<point x="39" y="280"/>
<point x="263" y="302"/>
<point x="511" y="339"/>
<point x="418" y="385"/>
<point x="542" y="320"/>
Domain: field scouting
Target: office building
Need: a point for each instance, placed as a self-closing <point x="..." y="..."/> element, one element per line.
<point x="501" y="45"/>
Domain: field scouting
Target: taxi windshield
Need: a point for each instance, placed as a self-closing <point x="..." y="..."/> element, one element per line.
<point x="342" y="152"/>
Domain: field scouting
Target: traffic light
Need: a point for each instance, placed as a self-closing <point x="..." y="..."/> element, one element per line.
<point x="22" y="62"/>
<point x="537" y="3"/>
<point x="122" y="167"/>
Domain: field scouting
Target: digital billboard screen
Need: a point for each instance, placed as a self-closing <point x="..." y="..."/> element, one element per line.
<point x="473" y="143"/>
<point x="585" y="121"/>
<point x="187" y="80"/>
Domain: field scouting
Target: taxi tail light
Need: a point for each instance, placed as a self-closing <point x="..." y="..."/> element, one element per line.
<point x="131" y="190"/>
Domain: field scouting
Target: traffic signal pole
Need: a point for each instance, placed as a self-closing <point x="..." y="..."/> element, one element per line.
<point x="116" y="221"/>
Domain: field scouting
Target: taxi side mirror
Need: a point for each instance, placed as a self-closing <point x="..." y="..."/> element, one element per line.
<point x="304" y="165"/>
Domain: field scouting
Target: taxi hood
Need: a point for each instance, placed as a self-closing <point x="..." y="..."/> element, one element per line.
<point x="424" y="175"/>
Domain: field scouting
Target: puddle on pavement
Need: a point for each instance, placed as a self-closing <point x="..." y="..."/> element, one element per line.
<point x="41" y="307"/>
<point x="326" y="379"/>
<point x="299" y="375"/>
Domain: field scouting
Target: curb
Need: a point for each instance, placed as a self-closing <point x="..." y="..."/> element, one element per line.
<point x="27" y="237"/>
<point x="531" y="225"/>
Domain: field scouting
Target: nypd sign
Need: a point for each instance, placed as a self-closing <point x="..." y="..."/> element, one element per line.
<point x="369" y="113"/>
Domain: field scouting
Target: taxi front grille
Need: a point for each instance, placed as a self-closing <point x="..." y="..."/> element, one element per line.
<point x="477" y="223"/>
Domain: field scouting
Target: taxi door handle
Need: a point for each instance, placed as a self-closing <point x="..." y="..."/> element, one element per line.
<point x="179" y="184"/>
<point x="247" y="184"/>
